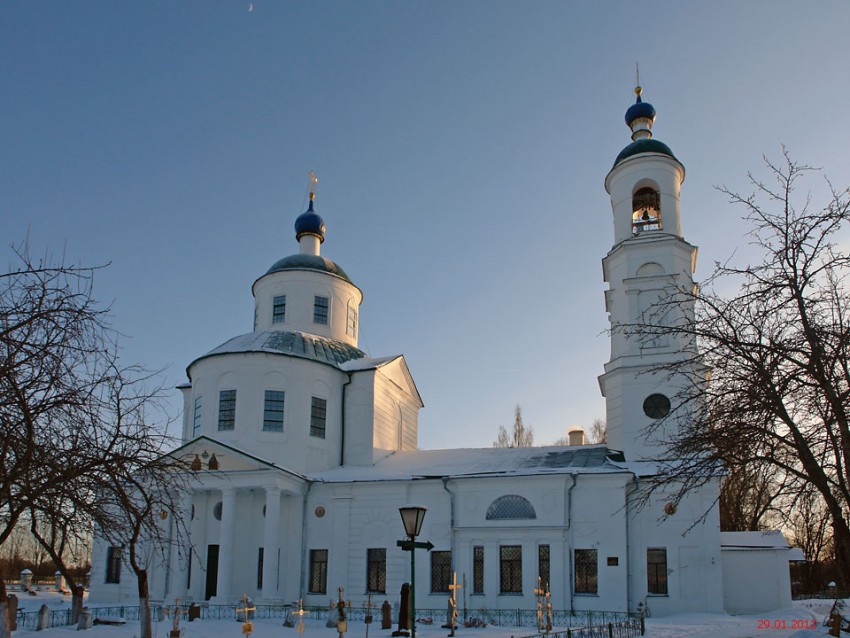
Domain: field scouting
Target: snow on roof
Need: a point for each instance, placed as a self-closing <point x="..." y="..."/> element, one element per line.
<point x="366" y="363"/>
<point x="770" y="539"/>
<point x="466" y="462"/>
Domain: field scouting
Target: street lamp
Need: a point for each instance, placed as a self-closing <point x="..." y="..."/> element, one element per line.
<point x="412" y="517"/>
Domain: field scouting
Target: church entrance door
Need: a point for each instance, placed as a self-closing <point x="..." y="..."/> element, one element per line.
<point x="212" y="571"/>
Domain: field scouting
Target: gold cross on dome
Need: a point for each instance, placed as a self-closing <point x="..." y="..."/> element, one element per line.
<point x="313" y="181"/>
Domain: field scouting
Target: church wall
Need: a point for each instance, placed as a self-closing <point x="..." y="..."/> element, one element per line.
<point x="694" y="579"/>
<point x="250" y="374"/>
<point x="396" y="415"/>
<point x="359" y="418"/>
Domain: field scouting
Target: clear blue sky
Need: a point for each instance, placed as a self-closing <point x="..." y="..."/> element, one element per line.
<point x="461" y="149"/>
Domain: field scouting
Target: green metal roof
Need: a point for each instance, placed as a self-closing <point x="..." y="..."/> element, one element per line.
<point x="309" y="262"/>
<point x="297" y="344"/>
<point x="644" y="146"/>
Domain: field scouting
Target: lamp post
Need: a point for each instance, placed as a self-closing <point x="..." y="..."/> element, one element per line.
<point x="412" y="517"/>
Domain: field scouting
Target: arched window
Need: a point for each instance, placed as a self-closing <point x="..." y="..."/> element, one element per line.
<point x="510" y="507"/>
<point x="646" y="210"/>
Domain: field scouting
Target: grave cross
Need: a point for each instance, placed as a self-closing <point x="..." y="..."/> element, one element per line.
<point x="453" y="603"/>
<point x="175" y="614"/>
<point x="341" y="625"/>
<point x="300" y="613"/>
<point x="540" y="593"/>
<point x="247" y="626"/>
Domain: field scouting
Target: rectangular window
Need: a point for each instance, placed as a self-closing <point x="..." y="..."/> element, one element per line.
<point x="113" y="564"/>
<point x="318" y="417"/>
<point x="441" y="572"/>
<point x="586" y="581"/>
<point x="543" y="565"/>
<point x="273" y="411"/>
<point x="510" y="569"/>
<point x="320" y="310"/>
<point x="260" y="569"/>
<point x="478" y="569"/>
<point x="279" y="309"/>
<point x="227" y="409"/>
<point x="318" y="571"/>
<point x="656" y="570"/>
<point x="351" y="323"/>
<point x="376" y="570"/>
<point x="196" y="418"/>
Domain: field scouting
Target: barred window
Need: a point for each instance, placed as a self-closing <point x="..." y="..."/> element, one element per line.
<point x="320" y="310"/>
<point x="279" y="309"/>
<point x="510" y="569"/>
<point x="273" y="411"/>
<point x="376" y="570"/>
<point x="318" y="417"/>
<point x="196" y="417"/>
<point x="113" y="565"/>
<point x="441" y="571"/>
<point x="510" y="507"/>
<point x="656" y="570"/>
<point x="478" y="569"/>
<point x="586" y="581"/>
<point x="543" y="565"/>
<point x="227" y="409"/>
<point x="318" y="571"/>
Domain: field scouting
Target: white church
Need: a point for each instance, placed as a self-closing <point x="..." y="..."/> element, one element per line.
<point x="305" y="449"/>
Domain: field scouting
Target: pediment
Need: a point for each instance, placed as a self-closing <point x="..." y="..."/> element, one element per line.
<point x="210" y="453"/>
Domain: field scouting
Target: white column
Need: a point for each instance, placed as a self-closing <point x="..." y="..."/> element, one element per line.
<point x="180" y="548"/>
<point x="226" y="544"/>
<point x="271" y="543"/>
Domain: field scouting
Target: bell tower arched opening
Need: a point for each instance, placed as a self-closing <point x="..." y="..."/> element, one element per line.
<point x="646" y="210"/>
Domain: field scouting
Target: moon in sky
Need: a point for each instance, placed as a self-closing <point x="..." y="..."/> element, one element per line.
<point x="250" y="7"/>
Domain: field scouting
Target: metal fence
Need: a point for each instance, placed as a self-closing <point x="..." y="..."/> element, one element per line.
<point x="577" y="624"/>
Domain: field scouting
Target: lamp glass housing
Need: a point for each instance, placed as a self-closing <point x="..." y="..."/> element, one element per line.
<point x="412" y="517"/>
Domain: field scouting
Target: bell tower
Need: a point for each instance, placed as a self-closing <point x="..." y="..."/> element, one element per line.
<point x="649" y="262"/>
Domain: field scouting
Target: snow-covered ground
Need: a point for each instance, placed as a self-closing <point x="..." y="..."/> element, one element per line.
<point x="796" y="622"/>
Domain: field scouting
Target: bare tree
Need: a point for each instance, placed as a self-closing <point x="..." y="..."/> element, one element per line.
<point x="75" y="426"/>
<point x="598" y="432"/>
<point x="520" y="436"/>
<point x="778" y="350"/>
<point x="751" y="498"/>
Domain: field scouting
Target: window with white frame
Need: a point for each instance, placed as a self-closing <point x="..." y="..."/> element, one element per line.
<point x="318" y="417"/>
<point x="320" y="310"/>
<point x="273" y="411"/>
<point x="656" y="570"/>
<point x="510" y="569"/>
<point x="196" y="418"/>
<point x="586" y="575"/>
<point x="279" y="309"/>
<point x="227" y="409"/>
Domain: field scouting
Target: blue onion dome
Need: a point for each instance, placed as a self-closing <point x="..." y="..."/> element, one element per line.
<point x="639" y="109"/>
<point x="310" y="223"/>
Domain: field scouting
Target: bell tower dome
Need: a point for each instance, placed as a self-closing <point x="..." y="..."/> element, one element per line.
<point x="648" y="264"/>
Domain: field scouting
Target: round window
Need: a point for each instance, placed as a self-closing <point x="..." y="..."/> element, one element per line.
<point x="656" y="406"/>
<point x="217" y="511"/>
<point x="319" y="511"/>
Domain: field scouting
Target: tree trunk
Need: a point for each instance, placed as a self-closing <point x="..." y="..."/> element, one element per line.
<point x="77" y="592"/>
<point x="841" y="541"/>
<point x="144" y="604"/>
<point x="5" y="627"/>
